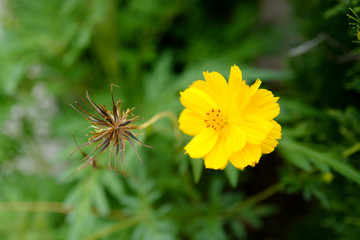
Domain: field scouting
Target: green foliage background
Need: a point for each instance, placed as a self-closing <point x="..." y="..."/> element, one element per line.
<point x="53" y="51"/>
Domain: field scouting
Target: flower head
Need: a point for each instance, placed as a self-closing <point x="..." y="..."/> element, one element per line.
<point x="111" y="129"/>
<point x="229" y="120"/>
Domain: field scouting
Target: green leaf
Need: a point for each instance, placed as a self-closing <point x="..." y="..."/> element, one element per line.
<point x="338" y="166"/>
<point x="319" y="164"/>
<point x="321" y="196"/>
<point x="232" y="174"/>
<point x="344" y="169"/>
<point x="238" y="229"/>
<point x="113" y="184"/>
<point x="98" y="195"/>
<point x="295" y="157"/>
<point x="13" y="74"/>
<point x="197" y="166"/>
<point x="100" y="201"/>
<point x="294" y="150"/>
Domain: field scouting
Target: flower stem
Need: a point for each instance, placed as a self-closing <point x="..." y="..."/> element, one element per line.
<point x="253" y="200"/>
<point x="165" y="114"/>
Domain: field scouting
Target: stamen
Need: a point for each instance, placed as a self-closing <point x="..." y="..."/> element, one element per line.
<point x="214" y="119"/>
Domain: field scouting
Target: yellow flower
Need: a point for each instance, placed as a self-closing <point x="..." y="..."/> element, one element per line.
<point x="229" y="120"/>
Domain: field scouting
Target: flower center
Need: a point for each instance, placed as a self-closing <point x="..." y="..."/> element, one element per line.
<point x="214" y="119"/>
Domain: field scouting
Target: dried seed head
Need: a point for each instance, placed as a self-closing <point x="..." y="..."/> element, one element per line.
<point x="111" y="130"/>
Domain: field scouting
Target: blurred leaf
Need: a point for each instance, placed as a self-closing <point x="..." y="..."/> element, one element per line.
<point x="321" y="196"/>
<point x="266" y="75"/>
<point x="298" y="152"/>
<point x="238" y="229"/>
<point x="295" y="157"/>
<point x="100" y="200"/>
<point x="319" y="164"/>
<point x="343" y="168"/>
<point x="334" y="11"/>
<point x="294" y="109"/>
<point x="113" y="184"/>
<point x="197" y="166"/>
<point x="232" y="174"/>
<point x="12" y="73"/>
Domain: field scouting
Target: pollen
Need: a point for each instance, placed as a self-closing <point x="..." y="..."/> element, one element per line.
<point x="214" y="119"/>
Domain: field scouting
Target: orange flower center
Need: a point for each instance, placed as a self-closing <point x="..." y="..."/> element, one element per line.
<point x="214" y="119"/>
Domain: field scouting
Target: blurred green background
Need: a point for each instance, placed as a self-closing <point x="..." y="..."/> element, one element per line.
<point x="52" y="51"/>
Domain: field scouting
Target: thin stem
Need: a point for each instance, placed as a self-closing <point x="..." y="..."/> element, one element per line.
<point x="72" y="174"/>
<point x="55" y="207"/>
<point x="114" y="228"/>
<point x="253" y="200"/>
<point x="350" y="151"/>
<point x="165" y="114"/>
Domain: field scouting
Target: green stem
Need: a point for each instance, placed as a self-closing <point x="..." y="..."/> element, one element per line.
<point x="55" y="207"/>
<point x="350" y="151"/>
<point x="165" y="114"/>
<point x="114" y="228"/>
<point x="253" y="200"/>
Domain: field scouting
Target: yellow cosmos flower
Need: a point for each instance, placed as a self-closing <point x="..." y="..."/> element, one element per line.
<point x="229" y="120"/>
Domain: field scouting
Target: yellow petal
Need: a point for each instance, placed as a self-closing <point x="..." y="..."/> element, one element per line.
<point x="216" y="158"/>
<point x="239" y="92"/>
<point x="235" y="76"/>
<point x="191" y="123"/>
<point x="235" y="138"/>
<point x="218" y="89"/>
<point x="255" y="86"/>
<point x="197" y="100"/>
<point x="263" y="104"/>
<point x="239" y="98"/>
<point x="248" y="156"/>
<point x="202" y="143"/>
<point x="200" y="84"/>
<point x="269" y="144"/>
<point x="255" y="128"/>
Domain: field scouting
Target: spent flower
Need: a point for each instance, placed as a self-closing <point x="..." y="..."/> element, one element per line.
<point x="230" y="121"/>
<point x="111" y="130"/>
